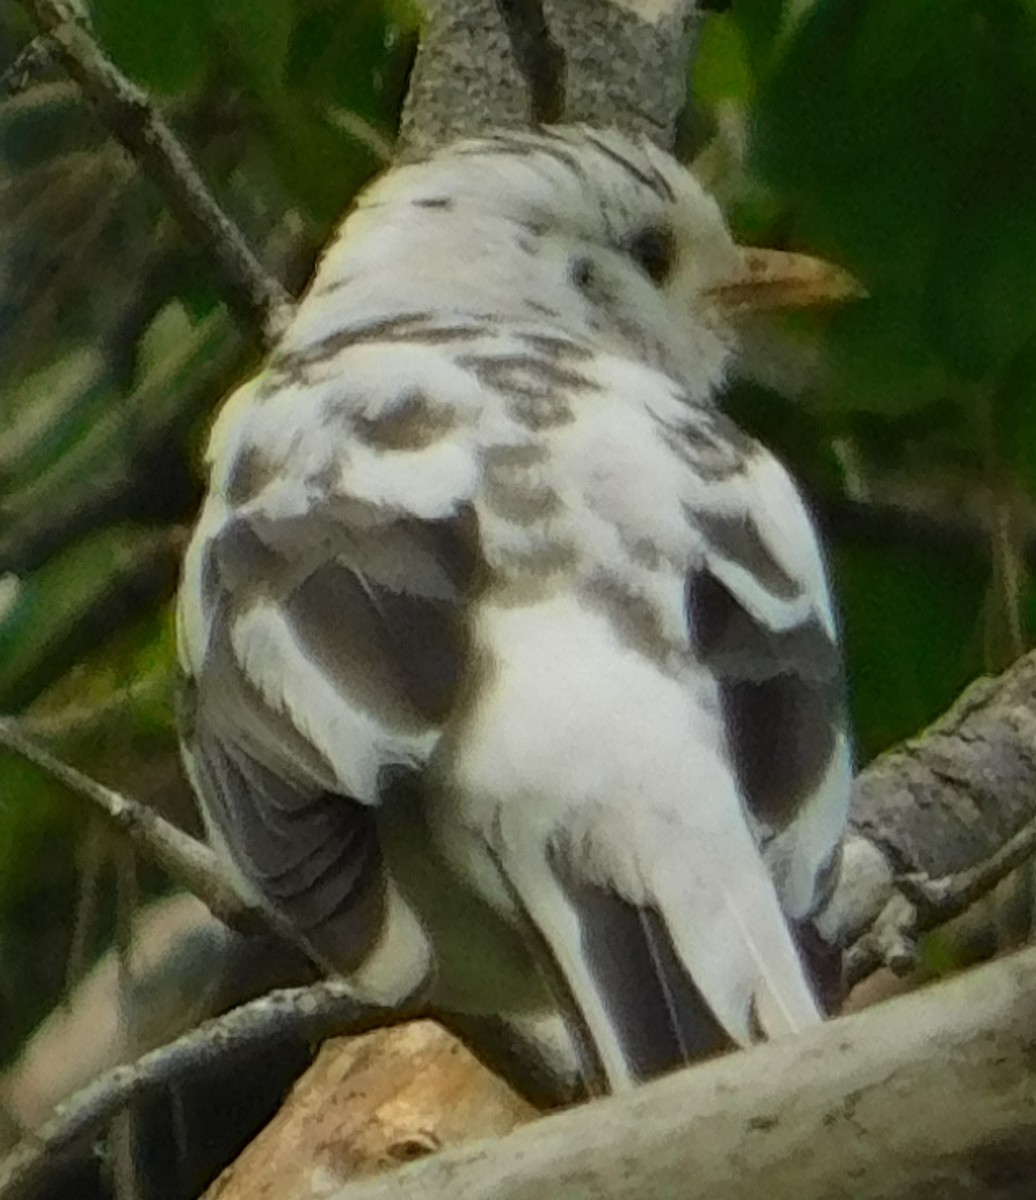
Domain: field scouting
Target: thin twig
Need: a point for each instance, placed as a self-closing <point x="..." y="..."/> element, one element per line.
<point x="891" y="941"/>
<point x="257" y="300"/>
<point x="29" y="64"/>
<point x="189" y="862"/>
<point x="308" y="1013"/>
<point x="923" y="904"/>
<point x="939" y="900"/>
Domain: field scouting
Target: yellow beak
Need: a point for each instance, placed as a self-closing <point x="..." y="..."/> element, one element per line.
<point x="775" y="280"/>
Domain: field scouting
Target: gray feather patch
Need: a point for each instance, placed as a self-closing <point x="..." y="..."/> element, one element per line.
<point x="654" y="1007"/>
<point x="397" y="654"/>
<point x="313" y="855"/>
<point x="781" y="692"/>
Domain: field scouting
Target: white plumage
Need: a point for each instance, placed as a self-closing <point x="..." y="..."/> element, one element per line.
<point x="511" y="662"/>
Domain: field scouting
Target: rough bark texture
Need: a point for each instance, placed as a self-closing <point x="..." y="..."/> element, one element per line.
<point x="626" y="63"/>
<point x="944" y="801"/>
<point x="368" y="1103"/>
<point x="938" y="821"/>
<point x="489" y="64"/>
<point x="928" y="1096"/>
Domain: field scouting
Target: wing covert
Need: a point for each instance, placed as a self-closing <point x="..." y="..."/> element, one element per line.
<point x="761" y="618"/>
<point x="323" y="629"/>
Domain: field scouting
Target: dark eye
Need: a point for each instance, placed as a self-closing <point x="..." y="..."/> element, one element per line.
<point x="654" y="251"/>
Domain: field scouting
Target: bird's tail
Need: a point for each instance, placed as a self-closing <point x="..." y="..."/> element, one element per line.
<point x="669" y="940"/>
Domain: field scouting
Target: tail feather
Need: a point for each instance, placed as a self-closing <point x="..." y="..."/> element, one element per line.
<point x="660" y="922"/>
<point x="697" y="955"/>
<point x="654" y="1008"/>
<point x="733" y="940"/>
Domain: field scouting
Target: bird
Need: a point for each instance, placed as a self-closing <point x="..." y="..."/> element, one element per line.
<point x="512" y="673"/>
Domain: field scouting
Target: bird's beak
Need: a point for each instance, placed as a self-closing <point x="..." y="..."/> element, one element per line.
<point x="775" y="280"/>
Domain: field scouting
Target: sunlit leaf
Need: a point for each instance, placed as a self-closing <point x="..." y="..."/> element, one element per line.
<point x="721" y="70"/>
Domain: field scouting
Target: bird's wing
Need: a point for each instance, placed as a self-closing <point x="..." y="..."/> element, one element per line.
<point x="762" y="622"/>
<point x="321" y="629"/>
<point x="761" y="619"/>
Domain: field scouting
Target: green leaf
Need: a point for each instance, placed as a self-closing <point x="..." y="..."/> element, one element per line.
<point x="259" y="33"/>
<point x="881" y="360"/>
<point x="760" y="24"/>
<point x="49" y="612"/>
<point x="353" y="57"/>
<point x="322" y="165"/>
<point x="883" y="220"/>
<point x="161" y="45"/>
<point x="164" y="339"/>
<point x="804" y="116"/>
<point x="721" y="70"/>
<point x="982" y="287"/>
<point x="46" y="411"/>
<point x="912" y="635"/>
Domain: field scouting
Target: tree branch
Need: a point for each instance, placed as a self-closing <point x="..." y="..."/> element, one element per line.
<point x="944" y="861"/>
<point x="538" y="56"/>
<point x="833" y="1112"/>
<point x="310" y="1013"/>
<point x="29" y="64"/>
<point x="258" y="302"/>
<point x="626" y="63"/>
<point x="489" y="64"/>
<point x="190" y="862"/>
<point x="937" y="822"/>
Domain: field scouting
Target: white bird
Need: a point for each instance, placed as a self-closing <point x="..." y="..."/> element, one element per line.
<point x="511" y="661"/>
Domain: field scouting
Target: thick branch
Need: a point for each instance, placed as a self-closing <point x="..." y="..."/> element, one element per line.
<point x="538" y="56"/>
<point x="943" y="862"/>
<point x="257" y="300"/>
<point x="935" y="815"/>
<point x="503" y="63"/>
<point x="368" y="1102"/>
<point x="835" y="1112"/>
<point x="938" y="821"/>
<point x="626" y="62"/>
<point x="466" y="78"/>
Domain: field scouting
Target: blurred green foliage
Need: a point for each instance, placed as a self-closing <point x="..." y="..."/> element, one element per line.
<point x="894" y="136"/>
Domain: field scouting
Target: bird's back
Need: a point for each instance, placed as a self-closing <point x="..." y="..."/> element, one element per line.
<point x="490" y="618"/>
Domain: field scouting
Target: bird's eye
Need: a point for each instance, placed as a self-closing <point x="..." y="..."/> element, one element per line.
<point x="654" y="251"/>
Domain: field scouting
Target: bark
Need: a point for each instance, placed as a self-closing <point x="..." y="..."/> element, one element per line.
<point x="938" y="821"/>
<point x="931" y="1095"/>
<point x="488" y="64"/>
<point x="371" y="1102"/>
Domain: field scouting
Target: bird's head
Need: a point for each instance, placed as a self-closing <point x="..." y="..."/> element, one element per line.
<point x="649" y="253"/>
<point x="604" y="235"/>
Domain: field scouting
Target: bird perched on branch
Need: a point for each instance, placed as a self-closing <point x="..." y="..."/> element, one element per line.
<point x="512" y="669"/>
